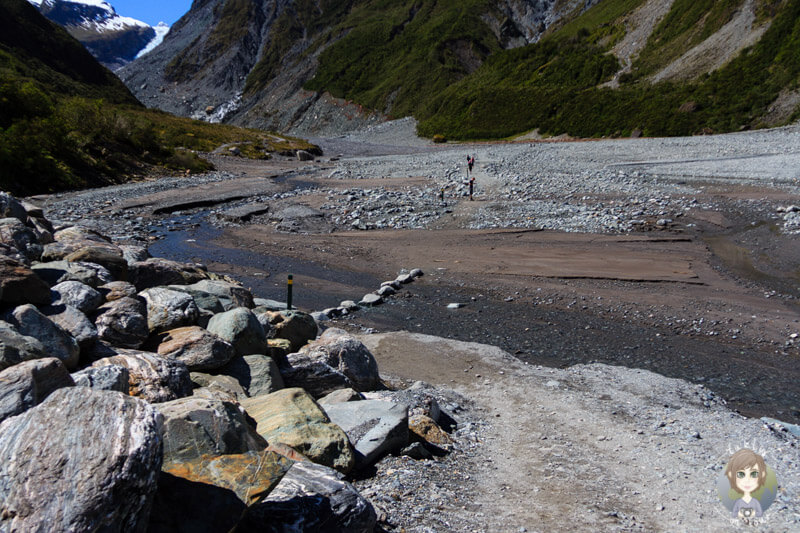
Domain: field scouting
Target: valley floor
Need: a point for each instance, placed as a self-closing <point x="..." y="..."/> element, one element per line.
<point x="660" y="257"/>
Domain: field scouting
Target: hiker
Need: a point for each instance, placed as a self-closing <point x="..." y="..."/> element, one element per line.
<point x="471" y="185"/>
<point x="470" y="163"/>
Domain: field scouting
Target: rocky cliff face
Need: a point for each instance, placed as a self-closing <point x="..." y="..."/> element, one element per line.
<point x="206" y="65"/>
<point x="334" y="66"/>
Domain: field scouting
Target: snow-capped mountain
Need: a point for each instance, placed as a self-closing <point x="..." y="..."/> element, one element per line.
<point x="113" y="39"/>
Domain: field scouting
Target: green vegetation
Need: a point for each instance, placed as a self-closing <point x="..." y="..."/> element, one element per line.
<point x="400" y="54"/>
<point x="553" y="86"/>
<point x="66" y="122"/>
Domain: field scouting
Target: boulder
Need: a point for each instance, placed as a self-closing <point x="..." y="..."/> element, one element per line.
<point x="78" y="295"/>
<point x="218" y="387"/>
<point x="73" y="322"/>
<point x="311" y="497"/>
<point x="43" y="230"/>
<point x="292" y="417"/>
<point x="54" y="272"/>
<point x="168" y="309"/>
<point x="32" y="210"/>
<point x="257" y="374"/>
<point x="349" y="305"/>
<point x="386" y="290"/>
<point x="241" y="328"/>
<point x="295" y="326"/>
<point x="132" y="253"/>
<point x="229" y="295"/>
<point x="12" y="253"/>
<point x="57" y="343"/>
<point x="107" y="255"/>
<point x="302" y="155"/>
<point x="11" y="207"/>
<point x="82" y="460"/>
<point x="339" y="396"/>
<point x="266" y="304"/>
<point x="17" y="235"/>
<point x="278" y="349"/>
<point x="210" y="493"/>
<point x="374" y="427"/>
<point x="111" y="378"/>
<point x="336" y="360"/>
<point x="19" y="284"/>
<point x="72" y="239"/>
<point x="371" y="300"/>
<point x="198" y="348"/>
<point x="123" y="322"/>
<point x="157" y="272"/>
<point x="27" y="384"/>
<point x="117" y="290"/>
<point x="16" y="347"/>
<point x="426" y="429"/>
<point x="152" y="377"/>
<point x="200" y="426"/>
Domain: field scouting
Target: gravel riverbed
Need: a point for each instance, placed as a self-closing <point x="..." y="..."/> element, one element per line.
<point x="532" y="441"/>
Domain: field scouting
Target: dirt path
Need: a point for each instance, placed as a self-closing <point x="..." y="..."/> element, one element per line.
<point x="565" y="448"/>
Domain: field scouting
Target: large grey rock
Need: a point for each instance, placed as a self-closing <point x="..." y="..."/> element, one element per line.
<point x="58" y="343"/>
<point x="374" y="427"/>
<point x="132" y="253"/>
<point x="229" y="295"/>
<point x="109" y="256"/>
<point x="117" y="289"/>
<point x="82" y="460"/>
<point x="241" y="328"/>
<point x="219" y="387"/>
<point x="73" y="238"/>
<point x="339" y="396"/>
<point x="20" y="284"/>
<point x="17" y="235"/>
<point x="371" y="300"/>
<point x="334" y="361"/>
<point x="11" y="207"/>
<point x="257" y="374"/>
<point x="73" y="322"/>
<point x="198" y="348"/>
<point x="199" y="426"/>
<point x="157" y="272"/>
<point x="78" y="295"/>
<point x="123" y="322"/>
<point x="293" y="418"/>
<point x="55" y="272"/>
<point x="168" y="309"/>
<point x="27" y="384"/>
<point x="16" y="347"/>
<point x="295" y="326"/>
<point x="152" y="377"/>
<point x="209" y="494"/>
<point x="111" y="378"/>
<point x="311" y="497"/>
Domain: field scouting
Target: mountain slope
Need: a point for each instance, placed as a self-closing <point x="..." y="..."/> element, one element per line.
<point x="253" y="61"/>
<point x="480" y="68"/>
<point x="112" y="39"/>
<point x="67" y="122"/>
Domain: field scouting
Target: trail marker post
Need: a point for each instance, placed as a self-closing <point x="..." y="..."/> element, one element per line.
<point x="289" y="284"/>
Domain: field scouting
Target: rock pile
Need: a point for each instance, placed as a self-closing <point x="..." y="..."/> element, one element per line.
<point x="138" y="393"/>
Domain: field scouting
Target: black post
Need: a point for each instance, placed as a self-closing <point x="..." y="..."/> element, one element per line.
<point x="289" y="293"/>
